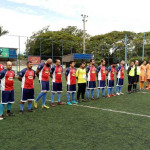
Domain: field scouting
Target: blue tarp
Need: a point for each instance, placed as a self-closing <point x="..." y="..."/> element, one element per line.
<point x="82" y="56"/>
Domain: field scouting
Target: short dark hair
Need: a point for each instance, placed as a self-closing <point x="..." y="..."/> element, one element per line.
<point x="57" y="60"/>
<point x="29" y="62"/>
<point x="92" y="59"/>
<point x="82" y="63"/>
<point x="71" y="62"/>
<point x="103" y="60"/>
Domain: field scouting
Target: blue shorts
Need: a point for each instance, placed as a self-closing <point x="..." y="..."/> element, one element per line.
<point x="119" y="82"/>
<point x="71" y="88"/>
<point x="7" y="97"/>
<point x="27" y="95"/>
<point x="91" y="84"/>
<point x="44" y="86"/>
<point x="56" y="87"/>
<point x="110" y="83"/>
<point x="101" y="84"/>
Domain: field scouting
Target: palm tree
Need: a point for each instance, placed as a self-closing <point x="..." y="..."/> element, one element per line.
<point x="2" y="32"/>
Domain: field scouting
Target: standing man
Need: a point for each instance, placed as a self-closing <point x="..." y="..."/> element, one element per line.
<point x="91" y="79"/>
<point x="7" y="89"/>
<point x="81" y="77"/>
<point x="148" y="75"/>
<point x="1" y="68"/>
<point x="43" y="72"/>
<point x="71" y="83"/>
<point x="136" y="77"/>
<point x="131" y="74"/>
<point x="142" y="75"/>
<point x="27" y="76"/>
<point x="120" y="78"/>
<point x="101" y="78"/>
<point x="56" y="75"/>
<point x="110" y="79"/>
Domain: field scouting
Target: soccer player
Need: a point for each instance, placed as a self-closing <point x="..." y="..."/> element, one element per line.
<point x="1" y="68"/>
<point x="81" y="77"/>
<point x="110" y="79"/>
<point x="136" y="77"/>
<point x="71" y="83"/>
<point x="7" y="89"/>
<point x="91" y="79"/>
<point x="101" y="78"/>
<point x="27" y="76"/>
<point x="131" y="74"/>
<point x="120" y="78"/>
<point x="148" y="75"/>
<point x="143" y="74"/>
<point x="56" y="75"/>
<point x="43" y="72"/>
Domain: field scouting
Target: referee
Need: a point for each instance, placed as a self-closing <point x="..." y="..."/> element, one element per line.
<point x="131" y="74"/>
<point x="81" y="77"/>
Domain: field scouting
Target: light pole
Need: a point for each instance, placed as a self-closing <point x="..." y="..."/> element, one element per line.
<point x="84" y="20"/>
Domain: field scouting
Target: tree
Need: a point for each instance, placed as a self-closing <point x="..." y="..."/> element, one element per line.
<point x="2" y="32"/>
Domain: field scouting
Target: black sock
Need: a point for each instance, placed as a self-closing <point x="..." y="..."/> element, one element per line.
<point x="8" y="111"/>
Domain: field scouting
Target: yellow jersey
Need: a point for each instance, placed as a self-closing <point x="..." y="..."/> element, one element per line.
<point x="81" y="75"/>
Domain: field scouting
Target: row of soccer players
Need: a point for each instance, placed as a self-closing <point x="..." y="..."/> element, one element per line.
<point x="86" y="81"/>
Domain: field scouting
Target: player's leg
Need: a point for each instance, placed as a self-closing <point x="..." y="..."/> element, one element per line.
<point x="10" y="101"/>
<point x="93" y="86"/>
<point x="2" y="111"/>
<point x="53" y="94"/>
<point x="83" y="91"/>
<point x="59" y="90"/>
<point x="73" y="98"/>
<point x="30" y="99"/>
<point x="98" y="89"/>
<point x="24" y="95"/>
<point x="68" y="95"/>
<point x="92" y="94"/>
<point x="117" y="87"/>
<point x="79" y="91"/>
<point x="112" y="86"/>
<point x="73" y="90"/>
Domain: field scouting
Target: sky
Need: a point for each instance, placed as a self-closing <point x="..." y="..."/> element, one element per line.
<point x="23" y="17"/>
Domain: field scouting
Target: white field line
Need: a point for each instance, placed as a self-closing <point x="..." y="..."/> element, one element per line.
<point x="110" y="110"/>
<point x="115" y="111"/>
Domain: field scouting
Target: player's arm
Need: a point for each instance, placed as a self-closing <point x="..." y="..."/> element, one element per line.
<point x="66" y="73"/>
<point x="21" y="74"/>
<point x="108" y="70"/>
<point x="87" y="70"/>
<point x="39" y="68"/>
<point x="98" y="70"/>
<point x="52" y="71"/>
<point x="77" y="73"/>
<point x="128" y="71"/>
<point x="2" y="74"/>
<point x="117" y="70"/>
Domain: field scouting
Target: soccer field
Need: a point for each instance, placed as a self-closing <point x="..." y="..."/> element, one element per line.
<point x="121" y="122"/>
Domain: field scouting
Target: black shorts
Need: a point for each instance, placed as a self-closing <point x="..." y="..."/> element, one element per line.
<point x="136" y="78"/>
<point x="130" y="80"/>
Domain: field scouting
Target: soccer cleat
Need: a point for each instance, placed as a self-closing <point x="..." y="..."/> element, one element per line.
<point x="93" y="98"/>
<point x="30" y="110"/>
<point x="83" y="100"/>
<point x="35" y="105"/>
<point x="60" y="103"/>
<point x="113" y="95"/>
<point x="45" y="107"/>
<point x="9" y="114"/>
<point x="118" y="94"/>
<point x="2" y="117"/>
<point x="121" y="93"/>
<point x="87" y="100"/>
<point x="21" y="112"/>
<point x="108" y="96"/>
<point x="74" y="102"/>
<point x="69" y="103"/>
<point x="52" y="104"/>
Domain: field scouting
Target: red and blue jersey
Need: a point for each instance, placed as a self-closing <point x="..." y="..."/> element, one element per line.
<point x="91" y="73"/>
<point x="101" y="71"/>
<point x="120" y="70"/>
<point x="111" y="73"/>
<point x="44" y="72"/>
<point x="28" y="77"/>
<point x="56" y="72"/>
<point x="71" y="76"/>
<point x="7" y="80"/>
<point x="1" y="67"/>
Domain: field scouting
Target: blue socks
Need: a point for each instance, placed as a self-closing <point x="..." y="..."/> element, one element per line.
<point x="111" y="90"/>
<point x="39" y="96"/>
<point x="52" y="97"/>
<point x="9" y="106"/>
<point x="87" y="93"/>
<point x="43" y="99"/>
<point x="68" y="97"/>
<point x="1" y="109"/>
<point x="119" y="89"/>
<point x="73" y="96"/>
<point x="92" y="93"/>
<point x="108" y="91"/>
<point x="29" y="106"/>
<point x="98" y="90"/>
<point x="103" y="91"/>
<point x="21" y="107"/>
<point x="58" y="96"/>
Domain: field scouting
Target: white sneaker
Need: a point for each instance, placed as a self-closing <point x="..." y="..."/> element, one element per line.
<point x="121" y="93"/>
<point x="118" y="94"/>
